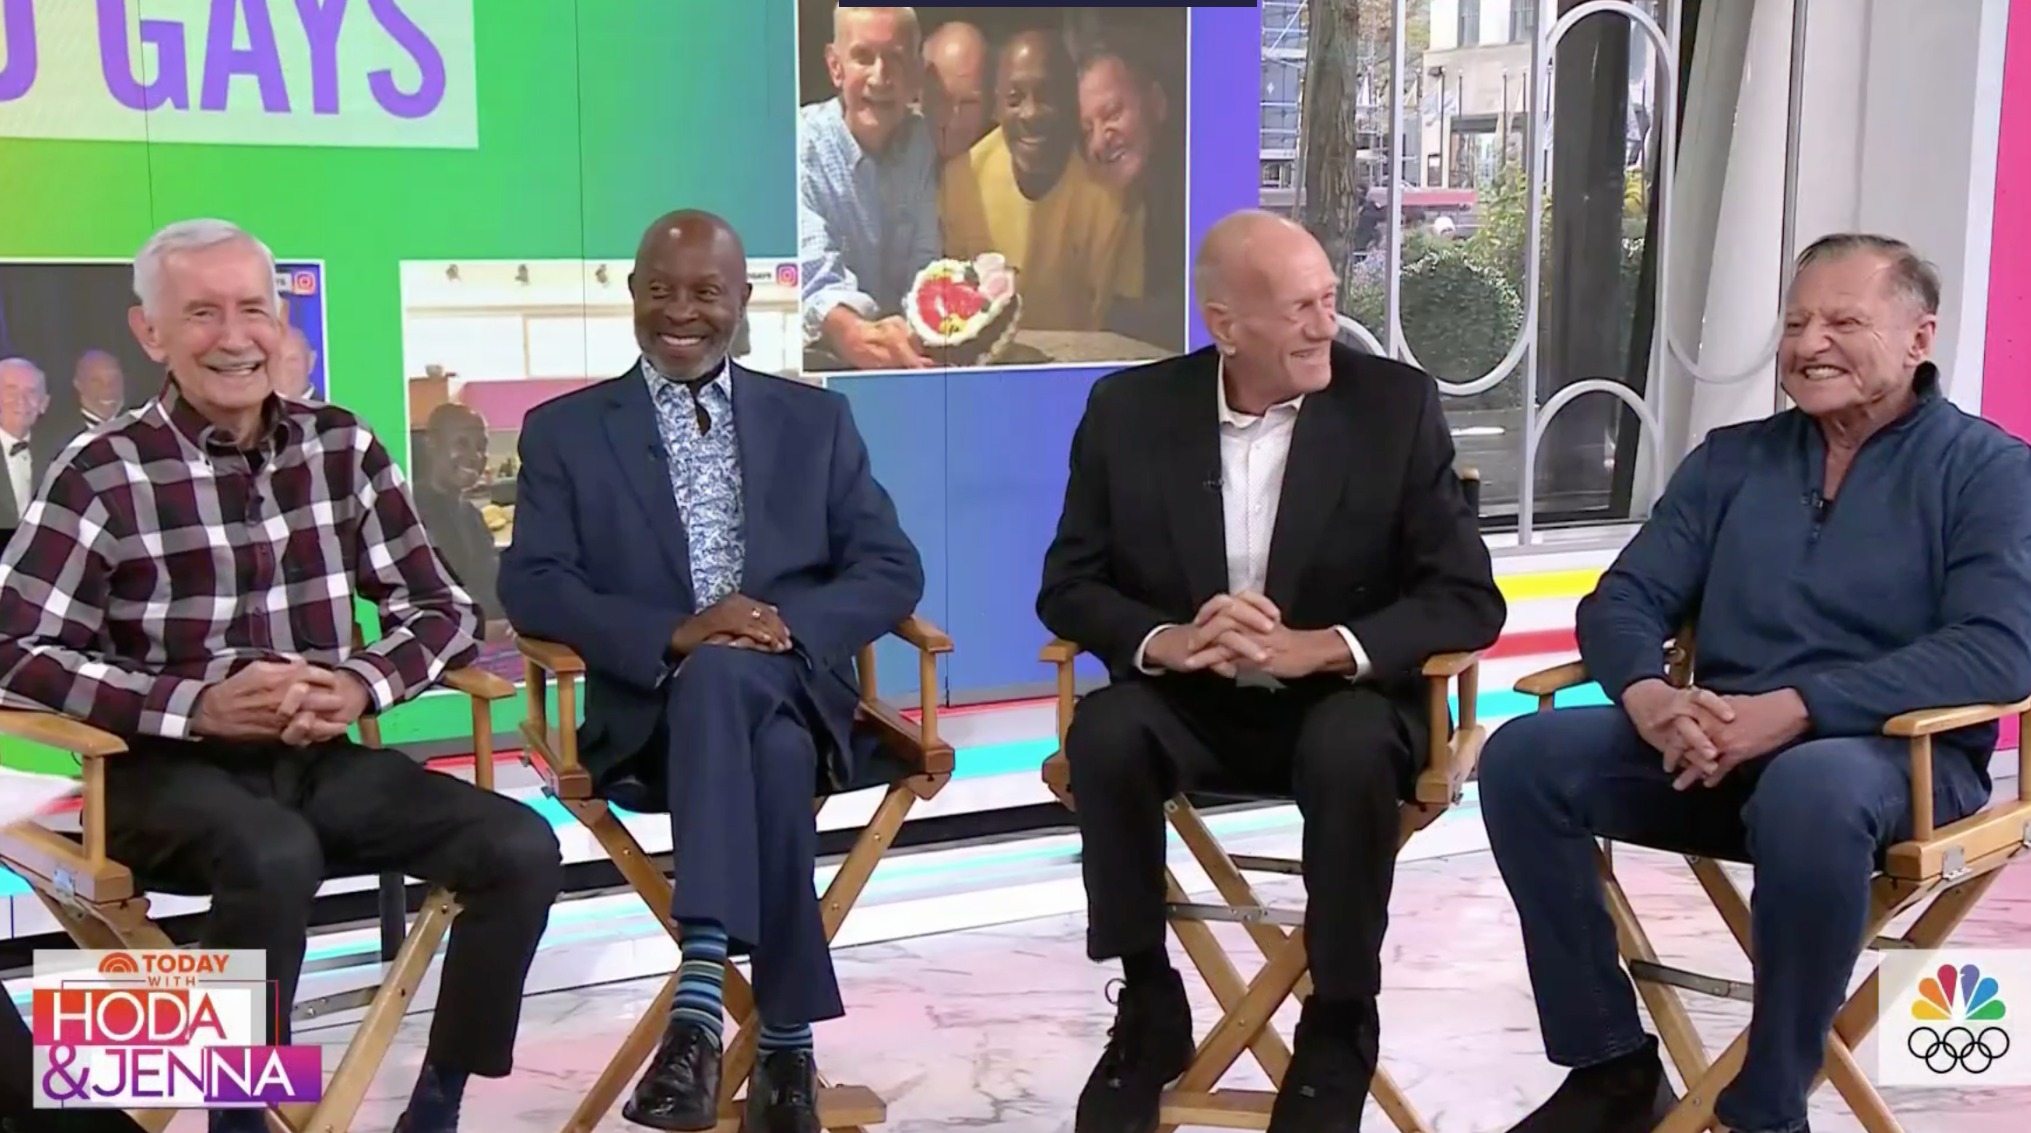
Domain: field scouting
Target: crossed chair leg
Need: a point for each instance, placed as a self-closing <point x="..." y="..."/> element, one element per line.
<point x="845" y="1109"/>
<point x="1660" y="986"/>
<point x="1248" y="1009"/>
<point x="125" y="925"/>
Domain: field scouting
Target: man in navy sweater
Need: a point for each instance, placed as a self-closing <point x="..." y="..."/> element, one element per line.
<point x="1862" y="555"/>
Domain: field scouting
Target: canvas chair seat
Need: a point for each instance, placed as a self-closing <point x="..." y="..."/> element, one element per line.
<point x="103" y="906"/>
<point x="907" y="759"/>
<point x="1943" y="870"/>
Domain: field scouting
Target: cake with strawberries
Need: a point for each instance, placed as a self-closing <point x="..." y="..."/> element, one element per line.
<point x="965" y="312"/>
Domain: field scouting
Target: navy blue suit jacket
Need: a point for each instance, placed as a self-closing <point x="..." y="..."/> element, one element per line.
<point x="600" y="562"/>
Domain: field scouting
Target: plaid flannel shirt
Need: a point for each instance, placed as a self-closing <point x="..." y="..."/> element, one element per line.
<point x="159" y="558"/>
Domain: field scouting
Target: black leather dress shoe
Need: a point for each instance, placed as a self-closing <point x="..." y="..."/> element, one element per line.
<point x="680" y="1090"/>
<point x="782" y="1094"/>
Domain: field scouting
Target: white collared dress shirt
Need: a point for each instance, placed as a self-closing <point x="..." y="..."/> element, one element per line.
<point x="1254" y="452"/>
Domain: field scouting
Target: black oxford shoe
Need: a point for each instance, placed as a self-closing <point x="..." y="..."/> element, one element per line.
<point x="783" y="1094"/>
<point x="680" y="1090"/>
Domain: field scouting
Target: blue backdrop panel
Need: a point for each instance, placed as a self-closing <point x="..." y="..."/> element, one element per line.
<point x="902" y="418"/>
<point x="1009" y="432"/>
<point x="976" y="459"/>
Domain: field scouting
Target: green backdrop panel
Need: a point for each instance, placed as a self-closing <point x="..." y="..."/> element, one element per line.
<point x="590" y="118"/>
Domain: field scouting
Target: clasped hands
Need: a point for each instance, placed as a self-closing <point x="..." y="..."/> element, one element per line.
<point x="1704" y="735"/>
<point x="736" y="621"/>
<point x="1245" y="632"/>
<point x="292" y="701"/>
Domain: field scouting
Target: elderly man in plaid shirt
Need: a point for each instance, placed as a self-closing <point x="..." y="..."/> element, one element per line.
<point x="186" y="580"/>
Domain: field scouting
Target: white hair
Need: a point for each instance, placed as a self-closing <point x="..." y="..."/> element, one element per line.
<point x="25" y="365"/>
<point x="185" y="236"/>
<point x="907" y="15"/>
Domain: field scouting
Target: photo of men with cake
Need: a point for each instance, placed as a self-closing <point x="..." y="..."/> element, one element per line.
<point x="68" y="362"/>
<point x="486" y="341"/>
<point x="990" y="186"/>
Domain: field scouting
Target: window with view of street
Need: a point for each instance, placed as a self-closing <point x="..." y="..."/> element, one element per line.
<point x="1461" y="161"/>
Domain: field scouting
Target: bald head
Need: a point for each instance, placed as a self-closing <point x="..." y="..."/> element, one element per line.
<point x="690" y="227"/>
<point x="1269" y="297"/>
<point x="1036" y="49"/>
<point x="101" y="386"/>
<point x="955" y="87"/>
<point x="457" y="436"/>
<point x="691" y="289"/>
<point x="956" y="44"/>
<point x="1243" y="250"/>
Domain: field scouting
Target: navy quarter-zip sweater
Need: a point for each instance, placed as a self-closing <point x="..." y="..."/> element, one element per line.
<point x="1910" y="590"/>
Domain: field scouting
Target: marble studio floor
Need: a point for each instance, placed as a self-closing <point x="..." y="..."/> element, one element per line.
<point x="996" y="1028"/>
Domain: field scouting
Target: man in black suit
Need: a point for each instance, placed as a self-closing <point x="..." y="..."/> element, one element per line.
<point x="1263" y="541"/>
<point x="25" y="451"/>
<point x="101" y="389"/>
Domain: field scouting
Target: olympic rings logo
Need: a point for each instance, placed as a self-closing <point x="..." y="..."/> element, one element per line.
<point x="1959" y="1048"/>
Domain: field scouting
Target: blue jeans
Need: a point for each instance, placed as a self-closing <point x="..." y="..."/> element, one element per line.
<point x="1814" y="818"/>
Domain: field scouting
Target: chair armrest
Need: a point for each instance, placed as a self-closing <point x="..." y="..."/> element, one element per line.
<point x="917" y="742"/>
<point x="551" y="747"/>
<point x="1450" y="664"/>
<point x="555" y="658"/>
<point x="1060" y="652"/>
<point x="919" y="631"/>
<point x="28" y="846"/>
<point x="479" y="684"/>
<point x="483" y="688"/>
<point x="1063" y="653"/>
<point x="1557" y="679"/>
<point x="1932" y="721"/>
<point x="1919" y="727"/>
<point x="53" y="730"/>
<point x="1057" y="769"/>
<point x="1455" y="743"/>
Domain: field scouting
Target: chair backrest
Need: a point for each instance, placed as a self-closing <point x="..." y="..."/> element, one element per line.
<point x="1470" y="483"/>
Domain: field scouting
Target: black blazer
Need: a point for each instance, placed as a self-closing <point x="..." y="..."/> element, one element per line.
<point x="1373" y="529"/>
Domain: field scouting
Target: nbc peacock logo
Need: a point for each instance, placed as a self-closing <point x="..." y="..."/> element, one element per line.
<point x="1957" y="1013"/>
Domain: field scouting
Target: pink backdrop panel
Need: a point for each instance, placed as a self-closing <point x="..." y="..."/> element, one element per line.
<point x="505" y="403"/>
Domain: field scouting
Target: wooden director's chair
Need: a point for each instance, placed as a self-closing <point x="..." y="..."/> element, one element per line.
<point x="1946" y="869"/>
<point x="916" y="764"/>
<point x="1250" y="1009"/>
<point x="103" y="908"/>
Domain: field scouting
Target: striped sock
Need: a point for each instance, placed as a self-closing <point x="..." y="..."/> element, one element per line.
<point x="796" y="1037"/>
<point x="701" y="976"/>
